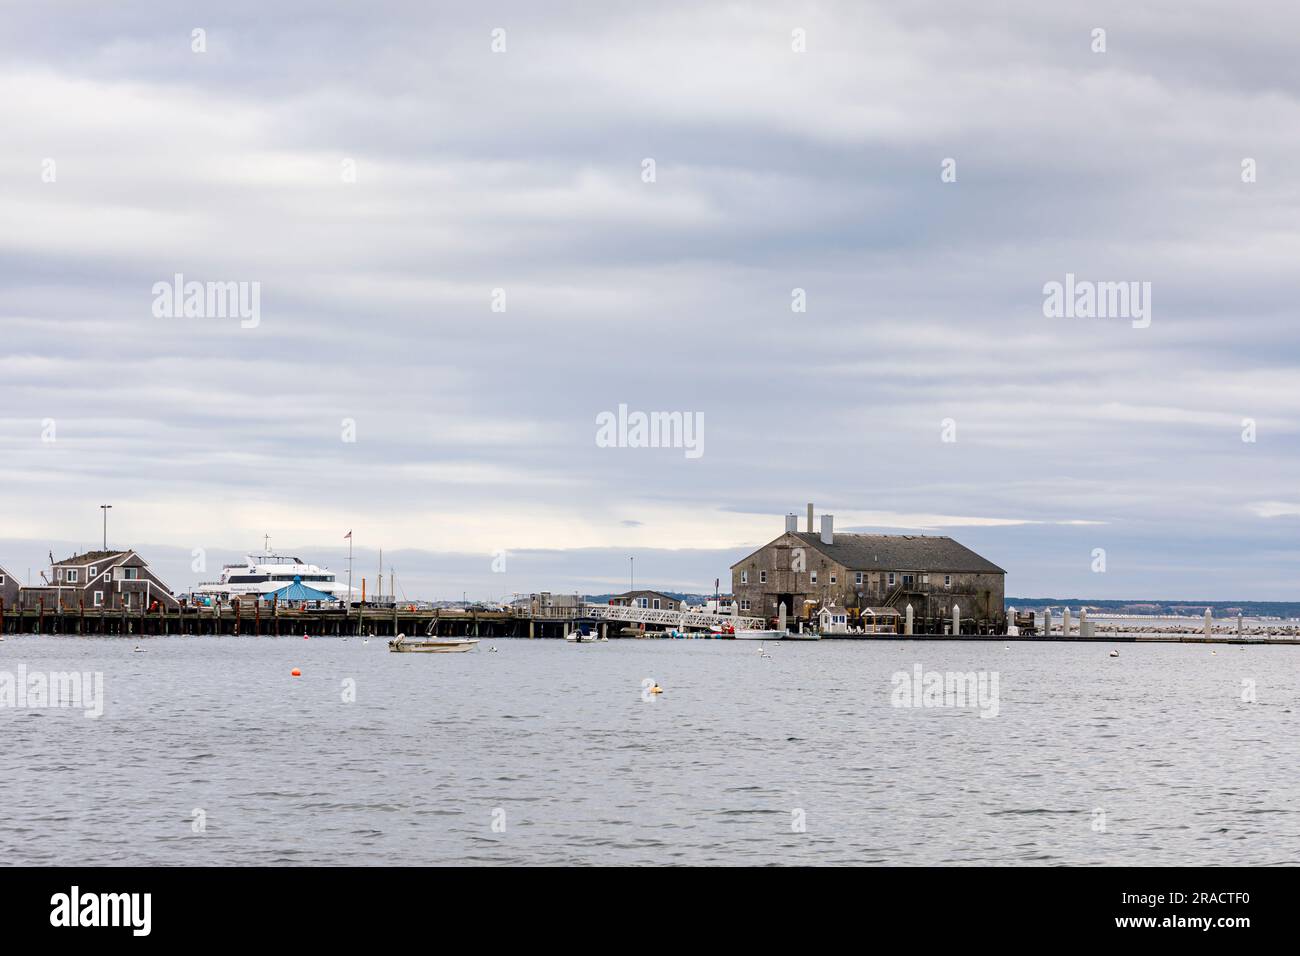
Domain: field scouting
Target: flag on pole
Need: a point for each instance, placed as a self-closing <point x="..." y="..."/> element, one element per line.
<point x="348" y="535"/>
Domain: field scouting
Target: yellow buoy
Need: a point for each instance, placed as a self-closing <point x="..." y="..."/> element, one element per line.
<point x="656" y="689"/>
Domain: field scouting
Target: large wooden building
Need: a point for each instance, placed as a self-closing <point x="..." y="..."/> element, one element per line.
<point x="808" y="570"/>
<point x="107" y="579"/>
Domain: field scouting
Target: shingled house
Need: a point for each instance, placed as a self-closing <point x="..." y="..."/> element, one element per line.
<point x="9" y="586"/>
<point x="110" y="579"/>
<point x="808" y="570"/>
<point x="653" y="600"/>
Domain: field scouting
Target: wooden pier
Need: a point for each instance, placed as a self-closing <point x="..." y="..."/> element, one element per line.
<point x="260" y="620"/>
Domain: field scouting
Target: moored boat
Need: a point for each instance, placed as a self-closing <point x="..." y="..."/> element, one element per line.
<point x="431" y="645"/>
<point x="747" y="635"/>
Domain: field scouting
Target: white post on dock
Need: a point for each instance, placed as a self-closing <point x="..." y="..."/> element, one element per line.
<point x="956" y="620"/>
<point x="1065" y="622"/>
<point x="907" y="620"/>
<point x="781" y="618"/>
<point x="1208" y="615"/>
<point x="1047" y="622"/>
<point x="1239" y="624"/>
<point x="1083" y="622"/>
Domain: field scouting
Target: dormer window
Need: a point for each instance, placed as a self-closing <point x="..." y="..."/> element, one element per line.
<point x="72" y="575"/>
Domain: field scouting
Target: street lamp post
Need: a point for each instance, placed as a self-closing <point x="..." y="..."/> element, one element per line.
<point x="104" y="508"/>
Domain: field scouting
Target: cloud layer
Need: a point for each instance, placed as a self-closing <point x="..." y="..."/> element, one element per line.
<point x="774" y="170"/>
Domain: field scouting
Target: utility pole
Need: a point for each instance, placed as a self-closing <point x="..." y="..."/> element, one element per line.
<point x="349" y="569"/>
<point x="104" y="508"/>
<point x="631" y="583"/>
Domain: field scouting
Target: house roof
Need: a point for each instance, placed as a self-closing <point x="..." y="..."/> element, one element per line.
<point x="298" y="592"/>
<point x="639" y="592"/>
<point x="90" y="557"/>
<point x="900" y="552"/>
<point x="897" y="552"/>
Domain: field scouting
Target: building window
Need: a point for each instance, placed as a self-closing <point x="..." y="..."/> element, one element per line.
<point x="857" y="578"/>
<point x="744" y="604"/>
<point x="813" y="577"/>
<point x="832" y="579"/>
<point x="72" y="575"/>
<point x="891" y="579"/>
<point x="656" y="604"/>
<point x="947" y="580"/>
<point x="130" y="574"/>
<point x="92" y="573"/>
<point x="99" y="599"/>
<point x="762" y="577"/>
<point x="2" y="579"/>
<point x="642" y="602"/>
<point x="744" y="577"/>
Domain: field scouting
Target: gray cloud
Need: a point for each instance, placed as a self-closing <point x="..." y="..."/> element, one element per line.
<point x="775" y="170"/>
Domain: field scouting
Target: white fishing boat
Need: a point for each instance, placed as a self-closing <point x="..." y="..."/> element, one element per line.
<point x="431" y="645"/>
<point x="742" y="634"/>
<point x="577" y="637"/>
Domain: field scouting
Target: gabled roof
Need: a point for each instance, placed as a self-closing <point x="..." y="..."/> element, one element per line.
<point x="900" y="552"/>
<point x="91" y="557"/>
<point x="896" y="552"/>
<point x="644" y="591"/>
<point x="298" y="592"/>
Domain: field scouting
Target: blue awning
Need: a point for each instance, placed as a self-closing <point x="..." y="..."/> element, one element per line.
<point x="298" y="592"/>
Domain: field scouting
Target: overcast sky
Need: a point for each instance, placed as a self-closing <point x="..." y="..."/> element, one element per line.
<point x="774" y="170"/>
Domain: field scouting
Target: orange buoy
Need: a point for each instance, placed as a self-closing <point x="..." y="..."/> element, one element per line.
<point x="295" y="672"/>
<point x="304" y="637"/>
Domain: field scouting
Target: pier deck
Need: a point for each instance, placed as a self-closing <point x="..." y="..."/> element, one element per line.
<point x="274" y="621"/>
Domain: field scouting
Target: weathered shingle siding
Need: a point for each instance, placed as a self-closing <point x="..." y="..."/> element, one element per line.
<point x="97" y="571"/>
<point x="9" y="588"/>
<point x="666" y="603"/>
<point x="785" y="567"/>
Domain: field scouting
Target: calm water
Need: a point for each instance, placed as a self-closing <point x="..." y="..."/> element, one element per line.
<point x="556" y="740"/>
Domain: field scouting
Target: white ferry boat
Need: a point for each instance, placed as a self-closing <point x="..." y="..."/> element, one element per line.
<point x="264" y="573"/>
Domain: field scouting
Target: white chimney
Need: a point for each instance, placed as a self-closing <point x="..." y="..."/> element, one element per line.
<point x="810" y="527"/>
<point x="792" y="522"/>
<point x="828" y="529"/>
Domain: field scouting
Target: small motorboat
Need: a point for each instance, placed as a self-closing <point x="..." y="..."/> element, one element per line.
<point x="803" y="636"/>
<point x="747" y="635"/>
<point x="431" y="645"/>
<point x="577" y="637"/>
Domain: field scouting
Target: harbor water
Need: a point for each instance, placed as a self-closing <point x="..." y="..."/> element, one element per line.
<point x="209" y="751"/>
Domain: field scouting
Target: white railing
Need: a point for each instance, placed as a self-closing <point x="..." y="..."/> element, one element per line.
<point x="645" y="615"/>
